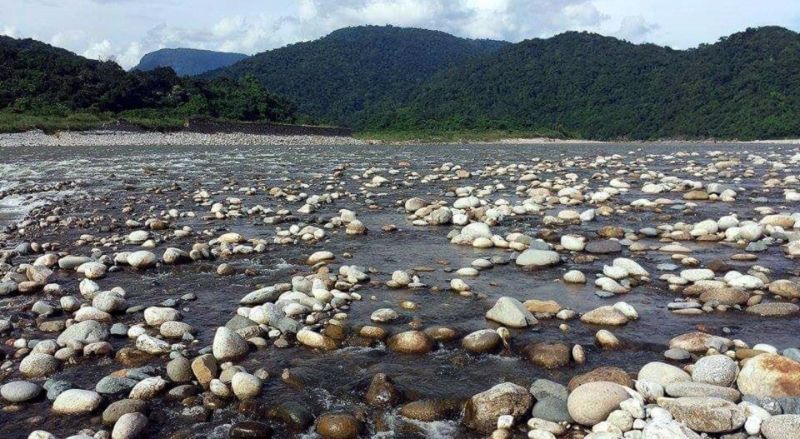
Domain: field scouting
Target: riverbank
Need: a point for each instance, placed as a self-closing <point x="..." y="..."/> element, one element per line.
<point x="145" y="138"/>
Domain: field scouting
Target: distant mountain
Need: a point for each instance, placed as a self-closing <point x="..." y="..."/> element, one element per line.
<point x="42" y="80"/>
<point x="746" y="85"/>
<point x="354" y="73"/>
<point x="188" y="62"/>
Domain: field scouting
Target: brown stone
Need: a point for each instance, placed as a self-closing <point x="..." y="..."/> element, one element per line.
<point x="604" y="373"/>
<point x="548" y="355"/>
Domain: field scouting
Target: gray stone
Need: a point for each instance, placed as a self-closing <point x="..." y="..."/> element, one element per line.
<point x="20" y="391"/>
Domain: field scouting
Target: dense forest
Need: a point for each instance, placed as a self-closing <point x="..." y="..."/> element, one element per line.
<point x="400" y="80"/>
<point x="188" y="62"/>
<point x="575" y="84"/>
<point x="745" y="86"/>
<point x="40" y="81"/>
<point x="354" y="73"/>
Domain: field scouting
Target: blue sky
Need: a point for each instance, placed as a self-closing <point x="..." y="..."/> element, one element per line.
<point x="124" y="30"/>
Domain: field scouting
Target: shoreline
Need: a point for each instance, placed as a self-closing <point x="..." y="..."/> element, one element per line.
<point x="38" y="138"/>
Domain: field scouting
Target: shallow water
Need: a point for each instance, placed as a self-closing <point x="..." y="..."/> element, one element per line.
<point x="99" y="181"/>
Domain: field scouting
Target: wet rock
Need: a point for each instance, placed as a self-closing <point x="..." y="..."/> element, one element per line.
<point x="381" y="392"/>
<point x="591" y="403"/>
<point x="20" y="391"/>
<point x="605" y="246"/>
<point x="179" y="370"/>
<point x="603" y="373"/>
<point x="118" y="408"/>
<point x="551" y="401"/>
<point x="142" y="259"/>
<point x="320" y="256"/>
<point x="250" y="430"/>
<point x="548" y="355"/>
<point x="483" y="409"/>
<point x="538" y="258"/>
<point x="510" y="312"/>
<point x="482" y="341"/>
<point x="705" y="414"/>
<point x="228" y="345"/>
<point x="315" y="340"/>
<point x="605" y="315"/>
<point x="773" y="309"/>
<point x="785" y="288"/>
<point x="410" y="342"/>
<point x="429" y="410"/>
<point x="245" y="386"/>
<point x="76" y="402"/>
<point x="89" y="331"/>
<point x="148" y="388"/>
<point x="130" y="426"/>
<point x="296" y="417"/>
<point x="770" y="375"/>
<point x="205" y="369"/>
<point x="112" y="384"/>
<point x="338" y="425"/>
<point x="38" y="365"/>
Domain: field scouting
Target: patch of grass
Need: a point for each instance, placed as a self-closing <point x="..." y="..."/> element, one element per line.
<point x="11" y="122"/>
<point x="456" y="136"/>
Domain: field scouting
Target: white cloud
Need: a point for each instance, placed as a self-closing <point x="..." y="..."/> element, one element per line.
<point x="8" y="31"/>
<point x="635" y="28"/>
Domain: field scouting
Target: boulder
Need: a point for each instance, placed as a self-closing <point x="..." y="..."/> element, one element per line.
<point x="483" y="409"/>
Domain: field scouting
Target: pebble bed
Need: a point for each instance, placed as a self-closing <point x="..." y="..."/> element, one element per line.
<point x="592" y="291"/>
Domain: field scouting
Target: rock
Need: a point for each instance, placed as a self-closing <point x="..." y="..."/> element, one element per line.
<point x="156" y="315"/>
<point x="725" y="296"/>
<point x="538" y="258"/>
<point x="591" y="403"/>
<point x="773" y="309"/>
<point x="667" y="429"/>
<point x="338" y="425"/>
<point x="204" y="369"/>
<point x="76" y="402"/>
<point x="179" y="370"/>
<point x="781" y="427"/>
<point x="604" y="373"/>
<point x="536" y="306"/>
<point x="37" y="365"/>
<point x="245" y="386"/>
<point x="605" y="315"/>
<point x="130" y="426"/>
<point x="548" y="355"/>
<point x="315" y="340"/>
<point x="148" y="388"/>
<point x="770" y="375"/>
<point x="662" y="373"/>
<point x="474" y="231"/>
<point x="118" y="408"/>
<point x="429" y="410"/>
<point x="414" y="204"/>
<point x="320" y="256"/>
<point x="483" y="409"/>
<point x="482" y="341"/>
<point x="250" y="430"/>
<point x="113" y="384"/>
<point x="687" y="388"/>
<point x="551" y="401"/>
<point x="152" y="345"/>
<point x="410" y="342"/>
<point x="785" y="288"/>
<point x="142" y="259"/>
<point x="574" y="277"/>
<point x="228" y="345"/>
<point x="384" y="315"/>
<point x="20" y="391"/>
<point x="705" y="414"/>
<point x="698" y="342"/>
<point x="381" y="392"/>
<point x="510" y="312"/>
<point x="719" y="370"/>
<point x="89" y="331"/>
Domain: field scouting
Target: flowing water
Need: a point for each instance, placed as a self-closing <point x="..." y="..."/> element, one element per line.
<point x="95" y="181"/>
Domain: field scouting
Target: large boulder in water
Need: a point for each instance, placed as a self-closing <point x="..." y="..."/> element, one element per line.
<point x="511" y="312"/>
<point x="483" y="409"/>
<point x="538" y="258"/>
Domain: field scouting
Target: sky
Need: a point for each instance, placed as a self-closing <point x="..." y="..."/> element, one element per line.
<point x="124" y="30"/>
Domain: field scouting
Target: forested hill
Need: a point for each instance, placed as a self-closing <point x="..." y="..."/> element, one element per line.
<point x="744" y="86"/>
<point x="354" y="73"/>
<point x="188" y="62"/>
<point x="38" y="80"/>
